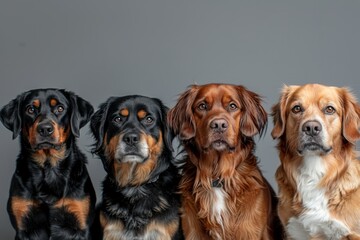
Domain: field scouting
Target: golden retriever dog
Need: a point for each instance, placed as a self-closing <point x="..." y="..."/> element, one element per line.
<point x="224" y="194"/>
<point x="319" y="176"/>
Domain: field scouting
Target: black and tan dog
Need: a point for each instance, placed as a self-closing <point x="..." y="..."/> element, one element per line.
<point x="51" y="194"/>
<point x="139" y="199"/>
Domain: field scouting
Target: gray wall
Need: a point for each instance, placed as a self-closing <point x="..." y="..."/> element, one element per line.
<point x="159" y="47"/>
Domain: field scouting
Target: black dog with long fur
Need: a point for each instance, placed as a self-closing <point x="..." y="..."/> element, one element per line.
<point x="51" y="194"/>
<point x="139" y="199"/>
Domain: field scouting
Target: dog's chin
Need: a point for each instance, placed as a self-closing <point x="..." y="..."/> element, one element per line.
<point x="313" y="149"/>
<point x="132" y="158"/>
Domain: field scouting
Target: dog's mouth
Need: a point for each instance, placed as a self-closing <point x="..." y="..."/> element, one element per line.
<point x="220" y="145"/>
<point x="314" y="147"/>
<point x="47" y="145"/>
<point x="133" y="153"/>
<point x="132" y="157"/>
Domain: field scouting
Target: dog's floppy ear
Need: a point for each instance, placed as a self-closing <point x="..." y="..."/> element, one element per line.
<point x="351" y="116"/>
<point x="254" y="120"/>
<point x="278" y="112"/>
<point x="10" y="116"/>
<point x="97" y="124"/>
<point x="80" y="114"/>
<point x="167" y="133"/>
<point x="180" y="117"/>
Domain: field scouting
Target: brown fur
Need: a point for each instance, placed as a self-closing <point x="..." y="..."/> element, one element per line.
<point x="127" y="173"/>
<point x="341" y="181"/>
<point x="21" y="208"/>
<point x="78" y="207"/>
<point x="248" y="201"/>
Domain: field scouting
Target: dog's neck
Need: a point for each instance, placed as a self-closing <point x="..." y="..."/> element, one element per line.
<point x="51" y="156"/>
<point x="336" y="167"/>
<point x="216" y="169"/>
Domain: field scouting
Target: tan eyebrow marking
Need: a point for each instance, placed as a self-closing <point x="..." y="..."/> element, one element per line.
<point x="53" y="102"/>
<point x="141" y="114"/>
<point x="124" y="112"/>
<point x="36" y="103"/>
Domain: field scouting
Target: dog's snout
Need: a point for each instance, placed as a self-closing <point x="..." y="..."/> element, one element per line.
<point x="45" y="129"/>
<point x="131" y="138"/>
<point x="219" y="125"/>
<point x="312" y="128"/>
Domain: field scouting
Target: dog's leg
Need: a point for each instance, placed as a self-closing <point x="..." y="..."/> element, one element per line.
<point x="28" y="218"/>
<point x="192" y="228"/>
<point x="161" y="231"/>
<point x="69" y="219"/>
<point x="352" y="237"/>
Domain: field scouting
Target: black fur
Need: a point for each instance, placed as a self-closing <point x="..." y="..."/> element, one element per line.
<point x="46" y="192"/>
<point x="136" y="205"/>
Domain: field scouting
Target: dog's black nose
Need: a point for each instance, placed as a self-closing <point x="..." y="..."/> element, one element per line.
<point x="131" y="138"/>
<point x="312" y="128"/>
<point x="219" y="125"/>
<point x="45" y="129"/>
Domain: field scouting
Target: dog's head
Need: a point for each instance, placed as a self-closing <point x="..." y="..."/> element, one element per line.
<point x="131" y="133"/>
<point x="216" y="116"/>
<point x="316" y="119"/>
<point x="46" y="118"/>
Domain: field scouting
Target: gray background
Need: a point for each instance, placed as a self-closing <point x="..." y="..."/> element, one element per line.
<point x="159" y="47"/>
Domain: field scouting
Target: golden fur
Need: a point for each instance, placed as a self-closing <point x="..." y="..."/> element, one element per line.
<point x="336" y="116"/>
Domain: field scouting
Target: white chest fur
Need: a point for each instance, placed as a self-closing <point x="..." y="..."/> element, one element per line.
<point x="219" y="204"/>
<point x="315" y="220"/>
<point x="218" y="211"/>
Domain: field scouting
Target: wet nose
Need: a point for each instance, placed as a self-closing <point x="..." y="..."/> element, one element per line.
<point x="45" y="129"/>
<point x="312" y="128"/>
<point x="219" y="125"/>
<point x="131" y="138"/>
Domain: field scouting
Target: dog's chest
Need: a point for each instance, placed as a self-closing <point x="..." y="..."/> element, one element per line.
<point x="219" y="205"/>
<point x="308" y="179"/>
<point x="315" y="218"/>
<point x="212" y="205"/>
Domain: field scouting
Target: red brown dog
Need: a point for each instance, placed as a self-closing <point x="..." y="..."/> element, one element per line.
<point x="224" y="194"/>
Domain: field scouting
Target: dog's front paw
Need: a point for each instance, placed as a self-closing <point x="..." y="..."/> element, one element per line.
<point x="335" y="230"/>
<point x="69" y="233"/>
<point x="40" y="234"/>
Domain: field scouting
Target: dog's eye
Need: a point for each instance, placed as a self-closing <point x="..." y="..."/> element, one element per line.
<point x="149" y="120"/>
<point x="233" y="107"/>
<point x="202" y="106"/>
<point x="296" y="109"/>
<point x="329" y="110"/>
<point x="30" y="109"/>
<point x="60" y="109"/>
<point x="117" y="119"/>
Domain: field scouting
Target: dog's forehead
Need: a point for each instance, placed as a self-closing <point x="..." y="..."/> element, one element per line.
<point x="40" y="97"/>
<point x="141" y="106"/>
<point x="315" y="93"/>
<point x="217" y="93"/>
